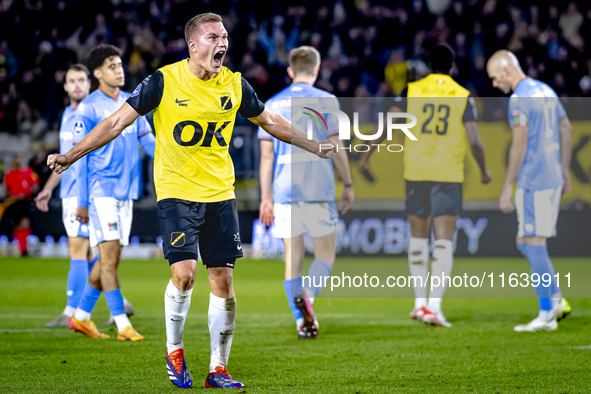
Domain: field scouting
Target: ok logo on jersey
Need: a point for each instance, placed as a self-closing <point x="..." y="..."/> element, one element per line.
<point x="197" y="137"/>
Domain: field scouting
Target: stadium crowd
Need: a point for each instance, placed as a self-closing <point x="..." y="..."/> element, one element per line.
<point x="369" y="48"/>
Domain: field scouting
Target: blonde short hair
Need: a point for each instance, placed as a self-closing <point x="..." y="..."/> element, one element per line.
<point x="193" y="25"/>
<point x="304" y="59"/>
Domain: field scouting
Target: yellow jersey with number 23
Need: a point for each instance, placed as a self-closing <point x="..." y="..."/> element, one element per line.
<point x="441" y="106"/>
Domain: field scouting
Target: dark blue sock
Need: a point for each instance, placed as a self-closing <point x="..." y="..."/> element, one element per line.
<point x="115" y="302"/>
<point x="77" y="277"/>
<point x="89" y="298"/>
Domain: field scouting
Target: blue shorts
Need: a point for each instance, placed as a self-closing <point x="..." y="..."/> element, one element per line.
<point x="211" y="227"/>
<point x="431" y="199"/>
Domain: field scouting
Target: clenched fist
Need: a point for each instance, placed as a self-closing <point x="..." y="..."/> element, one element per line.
<point x="58" y="163"/>
<point x="327" y="149"/>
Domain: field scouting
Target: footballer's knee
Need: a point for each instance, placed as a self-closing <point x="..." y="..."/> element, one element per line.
<point x="418" y="250"/>
<point x="442" y="249"/>
<point x="94" y="277"/>
<point x="78" y="248"/>
<point x="108" y="269"/>
<point x="183" y="273"/>
<point x="183" y="279"/>
<point x="221" y="281"/>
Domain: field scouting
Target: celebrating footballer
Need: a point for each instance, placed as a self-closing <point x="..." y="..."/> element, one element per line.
<point x="195" y="102"/>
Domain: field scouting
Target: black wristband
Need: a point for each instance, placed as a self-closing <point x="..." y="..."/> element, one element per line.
<point x="349" y="185"/>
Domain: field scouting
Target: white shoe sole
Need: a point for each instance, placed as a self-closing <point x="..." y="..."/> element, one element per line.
<point x="538" y="327"/>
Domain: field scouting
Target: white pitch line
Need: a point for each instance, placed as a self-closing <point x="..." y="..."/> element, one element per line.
<point x="27" y="330"/>
<point x="201" y="315"/>
<point x="588" y="347"/>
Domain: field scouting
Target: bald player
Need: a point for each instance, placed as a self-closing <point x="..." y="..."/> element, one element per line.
<point x="539" y="159"/>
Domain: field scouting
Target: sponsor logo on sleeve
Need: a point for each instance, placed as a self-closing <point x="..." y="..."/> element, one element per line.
<point x="136" y="91"/>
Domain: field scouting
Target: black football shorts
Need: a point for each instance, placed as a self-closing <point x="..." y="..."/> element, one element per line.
<point x="431" y="199"/>
<point x="208" y="227"/>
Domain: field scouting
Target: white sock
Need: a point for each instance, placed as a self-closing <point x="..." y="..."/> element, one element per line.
<point x="546" y="315"/>
<point x="81" y="315"/>
<point x="69" y="311"/>
<point x="419" y="265"/>
<point x="176" y="307"/>
<point x="556" y="299"/>
<point x="122" y="321"/>
<point x="220" y="318"/>
<point x="441" y="266"/>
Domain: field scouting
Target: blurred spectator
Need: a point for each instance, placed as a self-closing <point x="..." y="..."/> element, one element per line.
<point x="438" y="7"/>
<point x="556" y="49"/>
<point x="440" y="33"/>
<point x="534" y="19"/>
<point x="362" y="42"/>
<point x="29" y="121"/>
<point x="276" y="43"/>
<point x="8" y="62"/>
<point x="570" y="21"/>
<point x="585" y="86"/>
<point x="8" y="110"/>
<point x="559" y="84"/>
<point x="21" y="184"/>
<point x="396" y="71"/>
<point x="553" y="17"/>
<point x="38" y="163"/>
<point x="516" y="43"/>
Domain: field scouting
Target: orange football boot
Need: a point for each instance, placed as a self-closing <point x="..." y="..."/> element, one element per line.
<point x="129" y="334"/>
<point x="87" y="328"/>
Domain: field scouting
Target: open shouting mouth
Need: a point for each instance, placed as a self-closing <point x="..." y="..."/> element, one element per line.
<point x="218" y="58"/>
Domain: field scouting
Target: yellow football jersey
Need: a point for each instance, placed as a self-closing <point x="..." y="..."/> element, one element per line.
<point x="193" y="121"/>
<point x="441" y="106"/>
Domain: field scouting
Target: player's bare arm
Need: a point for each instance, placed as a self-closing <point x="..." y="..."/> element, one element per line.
<point x="477" y="150"/>
<point x="101" y="135"/>
<point x="280" y="128"/>
<point x="516" y="157"/>
<point x="341" y="162"/>
<point x="266" y="213"/>
<point x="566" y="142"/>
<point x="42" y="199"/>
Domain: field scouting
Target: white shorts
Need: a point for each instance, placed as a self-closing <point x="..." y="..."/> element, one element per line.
<point x="537" y="211"/>
<point x="110" y="220"/>
<point x="73" y="227"/>
<point x="293" y="219"/>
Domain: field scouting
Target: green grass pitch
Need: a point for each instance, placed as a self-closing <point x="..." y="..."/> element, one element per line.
<point x="365" y="345"/>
